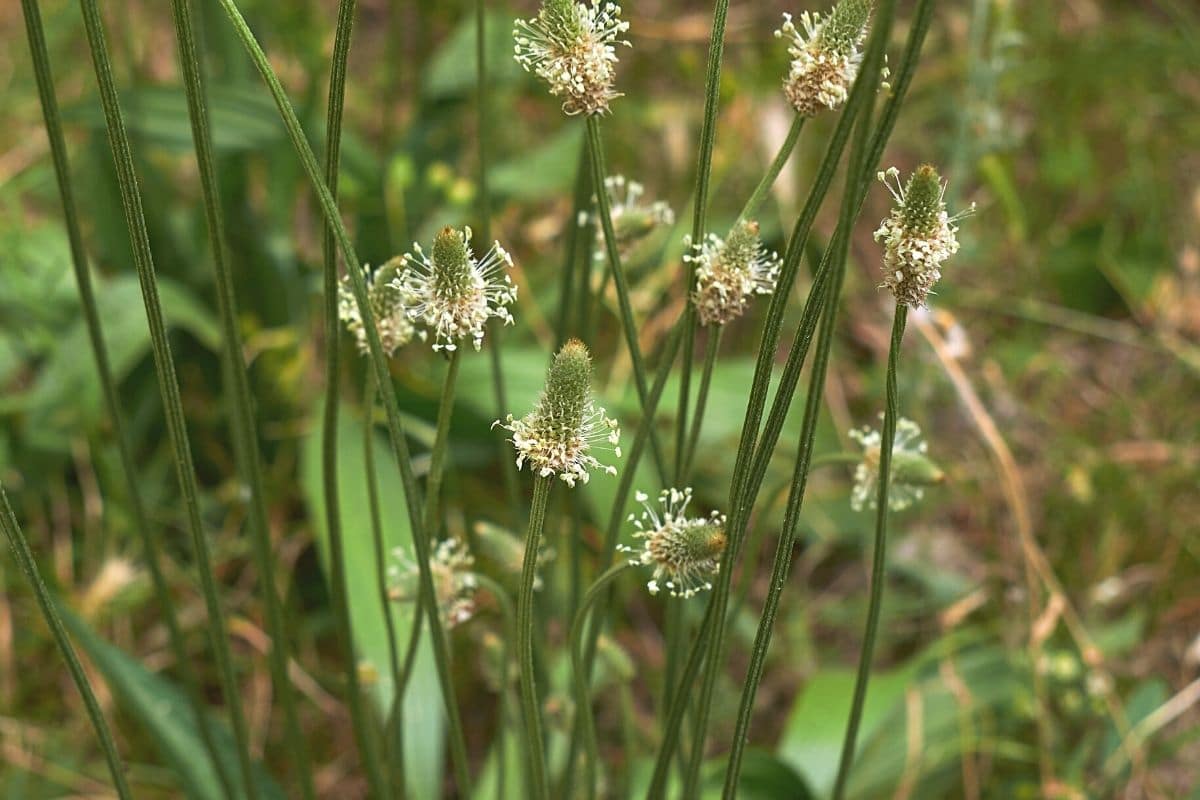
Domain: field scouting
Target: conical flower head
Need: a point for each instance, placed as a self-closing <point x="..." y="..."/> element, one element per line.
<point x="633" y="217"/>
<point x="387" y="302"/>
<point x="685" y="552"/>
<point x="918" y="236"/>
<point x="565" y="426"/>
<point x="911" y="471"/>
<point x="454" y="582"/>
<point x="825" y="55"/>
<point x="452" y="293"/>
<point x="730" y="272"/>
<point x="570" y="45"/>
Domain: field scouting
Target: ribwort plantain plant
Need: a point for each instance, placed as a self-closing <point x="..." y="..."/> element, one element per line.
<point x="415" y="323"/>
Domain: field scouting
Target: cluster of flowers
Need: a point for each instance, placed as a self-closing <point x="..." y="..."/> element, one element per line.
<point x="450" y="295"/>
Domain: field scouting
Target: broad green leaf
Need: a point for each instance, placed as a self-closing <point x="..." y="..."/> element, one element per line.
<point x="423" y="717"/>
<point x="545" y="170"/>
<point x="167" y="717"/>
<point x="451" y="71"/>
<point x="243" y="117"/>
<point x="67" y="393"/>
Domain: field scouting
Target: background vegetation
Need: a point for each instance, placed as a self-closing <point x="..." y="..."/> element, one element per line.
<point x="1043" y="603"/>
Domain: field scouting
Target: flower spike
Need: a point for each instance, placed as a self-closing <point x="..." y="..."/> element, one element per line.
<point x="825" y="55"/>
<point x="454" y="294"/>
<point x="730" y="272"/>
<point x="454" y="581"/>
<point x="912" y="470"/>
<point x="387" y="305"/>
<point x="570" y="45"/>
<point x="565" y="426"/>
<point x="685" y="553"/>
<point x="918" y="236"/>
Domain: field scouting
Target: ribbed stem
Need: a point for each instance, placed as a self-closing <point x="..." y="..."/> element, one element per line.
<point x="879" y="559"/>
<point x="583" y="698"/>
<point x="708" y="136"/>
<point x="245" y="435"/>
<point x="787" y="537"/>
<point x="364" y="740"/>
<point x="761" y="191"/>
<point x="616" y="517"/>
<point x="530" y="707"/>
<point x="628" y="324"/>
<point x="711" y="349"/>
<point x="441" y="437"/>
<point x="393" y="752"/>
<point x="28" y="566"/>
<point x="87" y="301"/>
<point x="387" y="392"/>
<point x="168" y="383"/>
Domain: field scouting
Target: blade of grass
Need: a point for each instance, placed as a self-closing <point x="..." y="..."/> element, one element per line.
<point x="878" y="559"/>
<point x="91" y="316"/>
<point x="628" y="325"/>
<point x="168" y="383"/>
<point x="28" y="566"/>
<point x="708" y="136"/>
<point x="364" y="740"/>
<point x="387" y="391"/>
<point x="241" y="409"/>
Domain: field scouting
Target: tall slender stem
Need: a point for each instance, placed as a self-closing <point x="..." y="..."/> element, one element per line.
<point x="628" y="325"/>
<point x="363" y="737"/>
<point x="759" y="195"/>
<point x="530" y="707"/>
<point x="583" y="698"/>
<point x="787" y="537"/>
<point x="168" y="383"/>
<point x="392" y="719"/>
<point x="28" y="566"/>
<point x="572" y="270"/>
<point x="387" y="392"/>
<point x="241" y="407"/>
<point x="509" y="624"/>
<point x="437" y="459"/>
<point x="879" y="559"/>
<point x="708" y="136"/>
<point x="91" y="316"/>
<point x="711" y="349"/>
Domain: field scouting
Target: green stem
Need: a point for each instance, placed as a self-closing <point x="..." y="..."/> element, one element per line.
<point x="168" y="383"/>
<point x="437" y="459"/>
<point x="394" y="752"/>
<point x="768" y="180"/>
<point x="28" y="566"/>
<point x="583" y="698"/>
<point x="387" y="392"/>
<point x="617" y="517"/>
<point x="364" y="740"/>
<point x="628" y="325"/>
<point x="787" y="538"/>
<point x="530" y="709"/>
<point x="708" y="136"/>
<point x="711" y="349"/>
<point x="878" y="560"/>
<point x="91" y="316"/>
<point x="241" y="406"/>
<point x="406" y="671"/>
